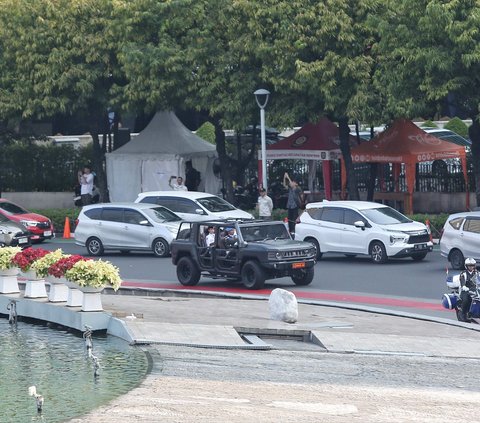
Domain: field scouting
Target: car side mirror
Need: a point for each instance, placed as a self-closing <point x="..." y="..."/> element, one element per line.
<point x="360" y="224"/>
<point x="144" y="223"/>
<point x="199" y="211"/>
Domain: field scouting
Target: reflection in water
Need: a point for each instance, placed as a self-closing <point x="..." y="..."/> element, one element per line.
<point x="56" y="362"/>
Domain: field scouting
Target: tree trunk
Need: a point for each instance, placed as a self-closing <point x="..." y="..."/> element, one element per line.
<point x="347" y="158"/>
<point x="98" y="159"/>
<point x="474" y="134"/>
<point x="225" y="170"/>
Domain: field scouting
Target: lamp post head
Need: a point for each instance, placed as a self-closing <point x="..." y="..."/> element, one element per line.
<point x="260" y="95"/>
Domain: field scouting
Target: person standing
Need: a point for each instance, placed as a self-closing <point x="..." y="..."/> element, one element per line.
<point x="192" y="177"/>
<point x="85" y="179"/>
<point x="294" y="200"/>
<point x="264" y="205"/>
<point x="179" y="185"/>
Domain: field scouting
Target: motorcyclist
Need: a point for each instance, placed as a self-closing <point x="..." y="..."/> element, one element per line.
<point x="468" y="282"/>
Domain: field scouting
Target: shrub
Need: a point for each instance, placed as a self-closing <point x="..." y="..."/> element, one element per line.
<point x="458" y="126"/>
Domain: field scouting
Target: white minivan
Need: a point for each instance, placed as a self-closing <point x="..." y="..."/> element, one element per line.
<point x="193" y="205"/>
<point x="361" y="227"/>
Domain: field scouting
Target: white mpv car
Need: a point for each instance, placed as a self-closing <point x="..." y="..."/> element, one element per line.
<point x="461" y="238"/>
<point x="126" y="227"/>
<point x="193" y="205"/>
<point x="361" y="227"/>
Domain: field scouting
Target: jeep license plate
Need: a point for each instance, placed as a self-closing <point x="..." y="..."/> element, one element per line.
<point x="420" y="246"/>
<point x="298" y="265"/>
<point x="22" y="240"/>
<point x="47" y="233"/>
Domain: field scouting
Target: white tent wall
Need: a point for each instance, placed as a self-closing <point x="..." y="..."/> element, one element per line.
<point x="159" y="152"/>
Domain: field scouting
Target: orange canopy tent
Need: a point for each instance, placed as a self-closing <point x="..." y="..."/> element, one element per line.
<point x="404" y="142"/>
<point x="319" y="141"/>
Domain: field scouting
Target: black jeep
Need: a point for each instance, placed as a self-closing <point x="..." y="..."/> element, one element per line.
<point x="252" y="252"/>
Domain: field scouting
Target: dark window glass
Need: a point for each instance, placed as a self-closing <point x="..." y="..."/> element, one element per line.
<point x="472" y="225"/>
<point x="12" y="208"/>
<point x="352" y="216"/>
<point x="184" y="231"/>
<point x="133" y="216"/>
<point x="95" y="214"/>
<point x="332" y="214"/>
<point x="315" y="213"/>
<point x="150" y="200"/>
<point x="112" y="215"/>
<point x="456" y="223"/>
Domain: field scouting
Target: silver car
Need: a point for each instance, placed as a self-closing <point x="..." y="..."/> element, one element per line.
<point x="126" y="227"/>
<point x="13" y="234"/>
<point x="461" y="238"/>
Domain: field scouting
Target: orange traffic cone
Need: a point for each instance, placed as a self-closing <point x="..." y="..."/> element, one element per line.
<point x="66" y="228"/>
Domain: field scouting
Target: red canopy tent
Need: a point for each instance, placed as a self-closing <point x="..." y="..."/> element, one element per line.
<point x="319" y="141"/>
<point x="404" y="142"/>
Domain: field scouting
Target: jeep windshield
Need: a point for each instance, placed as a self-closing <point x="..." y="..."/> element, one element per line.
<point x="162" y="214"/>
<point x="385" y="216"/>
<point x="264" y="232"/>
<point x="215" y="204"/>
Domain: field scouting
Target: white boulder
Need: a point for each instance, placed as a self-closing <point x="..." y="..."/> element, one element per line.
<point x="283" y="306"/>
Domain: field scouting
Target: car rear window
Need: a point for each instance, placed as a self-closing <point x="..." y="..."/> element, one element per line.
<point x="472" y="225"/>
<point x="112" y="215"/>
<point x="95" y="214"/>
<point x="456" y="223"/>
<point x="332" y="214"/>
<point x="315" y="213"/>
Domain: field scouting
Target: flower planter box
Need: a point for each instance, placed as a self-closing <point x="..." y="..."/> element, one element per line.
<point x="58" y="290"/>
<point x="34" y="285"/>
<point x="9" y="281"/>
<point x="75" y="296"/>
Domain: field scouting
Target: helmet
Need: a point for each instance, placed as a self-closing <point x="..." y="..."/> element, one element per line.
<point x="470" y="262"/>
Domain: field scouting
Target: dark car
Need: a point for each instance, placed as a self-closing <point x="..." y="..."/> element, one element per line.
<point x="13" y="234"/>
<point x="250" y="251"/>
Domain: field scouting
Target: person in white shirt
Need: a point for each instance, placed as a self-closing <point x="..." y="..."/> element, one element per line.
<point x="85" y="179"/>
<point x="210" y="238"/>
<point x="179" y="185"/>
<point x="264" y="205"/>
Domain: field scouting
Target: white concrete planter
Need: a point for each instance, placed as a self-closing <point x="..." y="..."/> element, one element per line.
<point x="58" y="290"/>
<point x="35" y="289"/>
<point x="9" y="281"/>
<point x="75" y="296"/>
<point x="92" y="298"/>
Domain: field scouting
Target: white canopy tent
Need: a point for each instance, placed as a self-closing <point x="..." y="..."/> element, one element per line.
<point x="160" y="151"/>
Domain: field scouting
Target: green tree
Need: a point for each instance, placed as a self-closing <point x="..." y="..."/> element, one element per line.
<point x="458" y="126"/>
<point x="207" y="132"/>
<point x="57" y="58"/>
<point x="437" y="65"/>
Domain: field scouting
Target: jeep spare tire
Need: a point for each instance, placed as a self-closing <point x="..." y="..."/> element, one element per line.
<point x="188" y="273"/>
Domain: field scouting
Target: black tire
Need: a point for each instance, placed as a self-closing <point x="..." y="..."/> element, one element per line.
<point x="419" y="256"/>
<point x="253" y="276"/>
<point x="188" y="273"/>
<point x="94" y="247"/>
<point x="314" y="242"/>
<point x="303" y="277"/>
<point x="160" y="247"/>
<point x="456" y="259"/>
<point x="378" y="253"/>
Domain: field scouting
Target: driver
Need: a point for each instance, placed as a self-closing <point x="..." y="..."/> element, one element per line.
<point x="230" y="238"/>
<point x="468" y="282"/>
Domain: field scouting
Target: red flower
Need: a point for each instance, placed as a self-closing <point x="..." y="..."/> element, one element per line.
<point x="25" y="258"/>
<point x="59" y="268"/>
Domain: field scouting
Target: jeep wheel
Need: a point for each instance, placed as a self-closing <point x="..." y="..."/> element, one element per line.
<point x="457" y="260"/>
<point x="160" y="247"/>
<point x="253" y="276"/>
<point x="94" y="247"/>
<point x="303" y="277"/>
<point x="188" y="273"/>
<point x="314" y="242"/>
<point x="378" y="252"/>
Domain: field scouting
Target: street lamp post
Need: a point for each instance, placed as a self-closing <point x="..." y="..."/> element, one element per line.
<point x="261" y="97"/>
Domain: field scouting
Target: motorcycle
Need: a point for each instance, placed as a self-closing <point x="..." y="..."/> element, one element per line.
<point x="453" y="301"/>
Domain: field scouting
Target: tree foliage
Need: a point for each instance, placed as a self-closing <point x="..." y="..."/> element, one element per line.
<point x="458" y="126"/>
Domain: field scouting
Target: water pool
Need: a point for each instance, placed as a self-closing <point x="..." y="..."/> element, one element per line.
<point x="56" y="362"/>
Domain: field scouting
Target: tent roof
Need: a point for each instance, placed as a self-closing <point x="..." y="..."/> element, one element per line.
<point x="313" y="141"/>
<point x="165" y="134"/>
<point x="405" y="142"/>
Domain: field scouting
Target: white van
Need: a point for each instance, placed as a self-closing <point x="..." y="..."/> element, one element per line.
<point x="194" y="206"/>
<point x="362" y="227"/>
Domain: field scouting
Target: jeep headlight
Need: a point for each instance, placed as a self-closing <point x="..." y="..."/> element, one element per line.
<point x="275" y="256"/>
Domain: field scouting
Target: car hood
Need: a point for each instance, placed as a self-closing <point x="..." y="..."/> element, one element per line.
<point x="406" y="227"/>
<point x="284" y="244"/>
<point x="30" y="216"/>
<point x="232" y="214"/>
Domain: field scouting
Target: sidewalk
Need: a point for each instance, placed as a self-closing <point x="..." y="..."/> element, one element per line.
<point x="172" y="325"/>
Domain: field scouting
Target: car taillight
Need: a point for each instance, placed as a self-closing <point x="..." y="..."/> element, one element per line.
<point x="76" y="222"/>
<point x="297" y="220"/>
